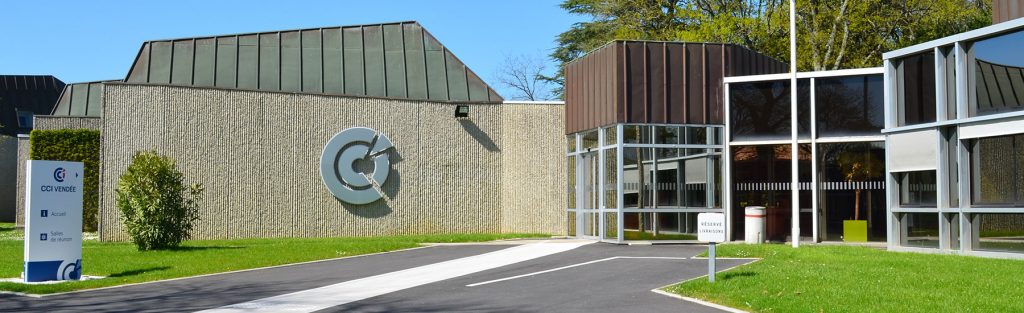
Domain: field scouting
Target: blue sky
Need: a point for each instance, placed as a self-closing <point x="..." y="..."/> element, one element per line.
<point x="96" y="40"/>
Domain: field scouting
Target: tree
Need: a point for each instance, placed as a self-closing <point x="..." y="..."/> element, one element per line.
<point x="831" y="34"/>
<point x="525" y="75"/>
<point x="858" y="166"/>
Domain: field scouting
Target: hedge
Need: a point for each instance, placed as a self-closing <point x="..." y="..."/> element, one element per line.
<point x="78" y="145"/>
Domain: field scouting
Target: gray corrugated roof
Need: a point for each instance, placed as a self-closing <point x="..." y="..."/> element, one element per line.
<point x="81" y="99"/>
<point x="394" y="60"/>
<point x="35" y="93"/>
<point x="1000" y="87"/>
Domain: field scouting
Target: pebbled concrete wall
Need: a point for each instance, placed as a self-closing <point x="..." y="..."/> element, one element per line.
<point x="8" y="177"/>
<point x="24" y="146"/>
<point x="257" y="155"/>
<point x="533" y="178"/>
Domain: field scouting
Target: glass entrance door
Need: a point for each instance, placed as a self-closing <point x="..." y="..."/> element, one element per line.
<point x="588" y="203"/>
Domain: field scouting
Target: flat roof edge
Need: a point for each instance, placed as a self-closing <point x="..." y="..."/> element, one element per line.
<point x="815" y="74"/>
<point x="986" y="31"/>
<point x="120" y="83"/>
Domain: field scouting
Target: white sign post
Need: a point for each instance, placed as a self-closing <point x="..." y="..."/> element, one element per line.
<point x="53" y="220"/>
<point x="711" y="229"/>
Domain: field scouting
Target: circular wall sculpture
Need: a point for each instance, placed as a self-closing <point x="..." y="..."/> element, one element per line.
<point x="344" y="152"/>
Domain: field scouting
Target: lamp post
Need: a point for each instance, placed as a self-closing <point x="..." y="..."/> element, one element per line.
<point x="794" y="170"/>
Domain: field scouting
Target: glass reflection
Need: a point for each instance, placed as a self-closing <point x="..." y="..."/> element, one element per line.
<point x="920" y="230"/>
<point x="851" y="187"/>
<point x="761" y="176"/>
<point x="999" y="73"/>
<point x="999" y="232"/>
<point x="998" y="170"/>
<point x="916" y="89"/>
<point x="760" y="110"/>
<point x="590" y="140"/>
<point x="659" y="226"/>
<point x="637" y="177"/>
<point x="917" y="189"/>
<point x="850" y="105"/>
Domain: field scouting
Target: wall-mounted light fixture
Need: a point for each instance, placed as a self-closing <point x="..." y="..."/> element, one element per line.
<point x="461" y="111"/>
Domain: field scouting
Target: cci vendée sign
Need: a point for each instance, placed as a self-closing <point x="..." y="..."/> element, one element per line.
<point x="53" y="221"/>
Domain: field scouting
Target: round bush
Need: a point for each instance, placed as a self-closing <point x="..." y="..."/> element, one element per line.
<point x="157" y="210"/>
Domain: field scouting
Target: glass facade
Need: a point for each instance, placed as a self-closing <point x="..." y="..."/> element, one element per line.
<point x="997" y="171"/>
<point x="916" y="89"/>
<point x="761" y="177"/>
<point x="920" y="230"/>
<point x="999" y="232"/>
<point x="998" y="77"/>
<point x="854" y="105"/>
<point x="917" y="189"/>
<point x="760" y="110"/>
<point x="840" y="161"/>
<point x="653" y="180"/>
<point x="964" y="191"/>
<point x="852" y="187"/>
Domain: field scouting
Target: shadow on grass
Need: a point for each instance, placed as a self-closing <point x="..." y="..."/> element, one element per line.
<point x="203" y="248"/>
<point x="736" y="274"/>
<point x="140" y="271"/>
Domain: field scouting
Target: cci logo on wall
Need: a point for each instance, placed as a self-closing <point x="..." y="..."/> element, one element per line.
<point x="347" y="150"/>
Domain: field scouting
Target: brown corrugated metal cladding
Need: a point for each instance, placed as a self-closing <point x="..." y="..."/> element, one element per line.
<point x="655" y="82"/>
<point x="1005" y="10"/>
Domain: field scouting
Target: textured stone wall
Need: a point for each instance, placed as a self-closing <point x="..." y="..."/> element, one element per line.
<point x="533" y="190"/>
<point x="19" y="213"/>
<point x="8" y="177"/>
<point x="45" y="123"/>
<point x="257" y="155"/>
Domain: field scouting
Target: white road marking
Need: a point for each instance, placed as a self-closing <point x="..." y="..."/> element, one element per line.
<point x="359" y="289"/>
<point x="571" y="266"/>
<point x="699" y="301"/>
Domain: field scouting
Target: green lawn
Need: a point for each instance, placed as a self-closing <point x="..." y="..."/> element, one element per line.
<point x="7" y="232"/>
<point x="121" y="263"/>
<point x="860" y="279"/>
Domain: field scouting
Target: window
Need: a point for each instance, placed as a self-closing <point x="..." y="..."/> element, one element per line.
<point x="998" y="74"/>
<point x="997" y="168"/>
<point x="849" y="106"/>
<point x="916" y="89"/>
<point x="852" y="187"/>
<point x="999" y="232"/>
<point x="917" y="189"/>
<point x="919" y="230"/>
<point x="761" y="177"/>
<point x="589" y="140"/>
<point x="761" y="110"/>
<point x="25" y="119"/>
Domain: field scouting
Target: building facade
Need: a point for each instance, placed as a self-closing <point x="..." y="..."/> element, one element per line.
<point x="925" y="153"/>
<point x="954" y="125"/>
<point x="22" y="97"/>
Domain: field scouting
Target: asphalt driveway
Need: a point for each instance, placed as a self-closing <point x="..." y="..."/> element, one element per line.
<point x="591" y="278"/>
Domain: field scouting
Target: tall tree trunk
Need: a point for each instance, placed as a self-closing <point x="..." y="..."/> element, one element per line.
<point x="856" y="205"/>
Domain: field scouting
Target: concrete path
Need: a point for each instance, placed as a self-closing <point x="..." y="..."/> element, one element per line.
<point x="565" y="276"/>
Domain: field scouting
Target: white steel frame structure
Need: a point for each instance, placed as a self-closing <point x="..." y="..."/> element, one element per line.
<point x="578" y="211"/>
<point x="952" y="134"/>
<point x="814" y="139"/>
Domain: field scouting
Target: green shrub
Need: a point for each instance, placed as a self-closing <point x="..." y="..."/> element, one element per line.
<point x="77" y="145"/>
<point x="157" y="210"/>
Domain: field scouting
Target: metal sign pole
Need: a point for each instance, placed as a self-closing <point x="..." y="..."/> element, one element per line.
<point x="711" y="262"/>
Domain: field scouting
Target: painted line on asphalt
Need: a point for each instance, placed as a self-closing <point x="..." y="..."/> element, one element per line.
<point x="572" y="266"/>
<point x="45" y="295"/>
<point x="702" y="302"/>
<point x="698" y="301"/>
<point x="359" y="289"/>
